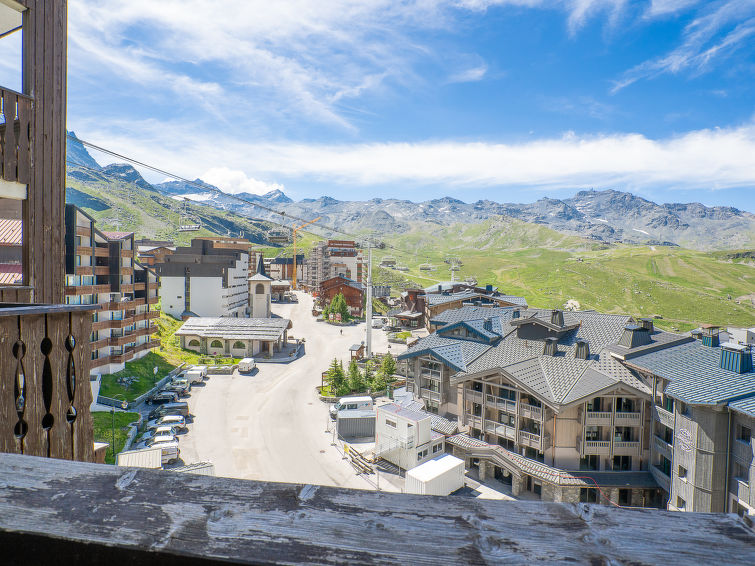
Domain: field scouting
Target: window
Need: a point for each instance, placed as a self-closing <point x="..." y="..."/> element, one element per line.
<point x="259" y="289"/>
<point x="623" y="463"/>
<point x="668" y="404"/>
<point x="422" y="454"/>
<point x="437" y="448"/>
<point x="239" y="345"/>
<point x="11" y="249"/>
<point x="390" y="423"/>
<point x="682" y="472"/>
<point x="625" y="497"/>
<point x="194" y="343"/>
<point x="744" y="434"/>
<point x="665" y="465"/>
<point x="216" y="344"/>
<point x="741" y="472"/>
<point x="590" y="463"/>
<point x="432" y="407"/>
<point x="592" y="433"/>
<point x="680" y="503"/>
<point x="588" y="495"/>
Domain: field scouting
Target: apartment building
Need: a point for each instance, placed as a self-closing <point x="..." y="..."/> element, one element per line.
<point x="546" y="408"/>
<point x="405" y="437"/>
<point x="333" y="258"/>
<point x="101" y="269"/>
<point x="703" y="420"/>
<point x="202" y="280"/>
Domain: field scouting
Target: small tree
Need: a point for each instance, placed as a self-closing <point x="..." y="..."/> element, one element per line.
<point x="336" y="378"/>
<point x="338" y="305"/>
<point x="369" y="375"/>
<point x="388" y="366"/>
<point x="355" y="378"/>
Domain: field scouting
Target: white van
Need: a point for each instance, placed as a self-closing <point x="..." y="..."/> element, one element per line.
<point x="247" y="365"/>
<point x="170" y="451"/>
<point x="200" y="369"/>
<point x="351" y="404"/>
<point x="193" y="376"/>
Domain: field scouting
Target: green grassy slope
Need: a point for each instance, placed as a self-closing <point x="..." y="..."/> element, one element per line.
<point x="118" y="205"/>
<point x="685" y="287"/>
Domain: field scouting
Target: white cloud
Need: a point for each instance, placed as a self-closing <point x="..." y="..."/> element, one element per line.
<point x="720" y="29"/>
<point x="469" y="75"/>
<point x="235" y="181"/>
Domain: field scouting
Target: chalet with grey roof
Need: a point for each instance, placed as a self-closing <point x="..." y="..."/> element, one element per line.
<point x="542" y="399"/>
<point x="703" y="410"/>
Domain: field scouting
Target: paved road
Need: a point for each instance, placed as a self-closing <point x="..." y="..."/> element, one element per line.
<point x="271" y="425"/>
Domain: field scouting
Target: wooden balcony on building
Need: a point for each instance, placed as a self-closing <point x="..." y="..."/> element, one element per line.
<point x="743" y="451"/>
<point x="662" y="447"/>
<point x="83" y="270"/>
<point x="117" y="358"/>
<point x="102" y="270"/>
<point x="596" y="447"/>
<point x="76" y="290"/>
<point x="501" y="430"/>
<point x="474" y="396"/>
<point x="500" y="403"/>
<point x="127" y="253"/>
<point x="84" y="251"/>
<point x="101" y="251"/>
<point x="140" y="286"/>
<point x="127" y="270"/>
<point x="120" y="340"/>
<point x="119" y="305"/>
<point x="664" y="416"/>
<point x="530" y="411"/>
<point x="85" y="231"/>
<point x="153" y="300"/>
<point x="101" y="343"/>
<point x="127" y="288"/>
<point x="598" y="418"/>
<point x="626" y="448"/>
<point x="627" y="419"/>
<point x="15" y="147"/>
<point x="474" y="421"/>
<point x="532" y="440"/>
<point x="153" y="285"/>
<point x="661" y="478"/>
<point x="429" y="394"/>
<point x="216" y="520"/>
<point x="46" y="412"/>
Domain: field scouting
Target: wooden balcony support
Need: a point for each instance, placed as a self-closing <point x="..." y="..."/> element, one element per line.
<point x="44" y="375"/>
<point x="15" y="149"/>
<point x="53" y="507"/>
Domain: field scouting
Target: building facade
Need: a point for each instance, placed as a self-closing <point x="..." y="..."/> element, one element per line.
<point x="201" y="280"/>
<point x="333" y="258"/>
<point x="260" y="293"/>
<point x="352" y="291"/>
<point x="234" y="337"/>
<point x="405" y="436"/>
<point x="545" y="407"/>
<point x="101" y="269"/>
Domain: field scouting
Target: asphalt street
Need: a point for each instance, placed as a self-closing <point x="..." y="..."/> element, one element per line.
<point x="270" y="425"/>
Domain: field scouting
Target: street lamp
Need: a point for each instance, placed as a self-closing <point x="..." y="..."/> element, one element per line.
<point x="154" y="379"/>
<point x="124" y="406"/>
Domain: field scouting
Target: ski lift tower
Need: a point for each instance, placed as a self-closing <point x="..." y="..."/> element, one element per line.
<point x="185" y="223"/>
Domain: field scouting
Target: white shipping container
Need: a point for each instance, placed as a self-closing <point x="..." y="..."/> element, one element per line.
<point x="144" y="458"/>
<point x="439" y="476"/>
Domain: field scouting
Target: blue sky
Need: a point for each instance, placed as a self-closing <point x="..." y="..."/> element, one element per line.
<point x="510" y="100"/>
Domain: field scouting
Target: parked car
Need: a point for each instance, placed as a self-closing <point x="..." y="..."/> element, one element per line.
<point x="247" y="365"/>
<point x="181" y="380"/>
<point x="179" y="408"/>
<point x="161" y="430"/>
<point x="163" y="397"/>
<point x="155" y="440"/>
<point x="377" y="323"/>
<point x="182" y="389"/>
<point x="168" y="420"/>
<point x="193" y="376"/>
<point x="200" y="369"/>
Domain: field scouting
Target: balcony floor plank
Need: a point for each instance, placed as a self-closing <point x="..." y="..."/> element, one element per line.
<point x="155" y="517"/>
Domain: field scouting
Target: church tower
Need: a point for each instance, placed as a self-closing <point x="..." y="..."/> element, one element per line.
<point x="260" y="292"/>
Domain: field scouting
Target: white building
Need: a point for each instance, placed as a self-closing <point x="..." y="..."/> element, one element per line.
<point x="202" y="280"/>
<point x="236" y="337"/>
<point x="404" y="436"/>
<point x="260" y="292"/>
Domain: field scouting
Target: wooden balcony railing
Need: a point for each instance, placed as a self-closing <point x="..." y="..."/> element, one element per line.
<point x="531" y="411"/>
<point x="15" y="149"/>
<point x="44" y="371"/>
<point x="598" y="418"/>
<point x="627" y="418"/>
<point x="93" y="514"/>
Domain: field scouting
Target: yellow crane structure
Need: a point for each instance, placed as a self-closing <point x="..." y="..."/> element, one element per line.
<point x="293" y="286"/>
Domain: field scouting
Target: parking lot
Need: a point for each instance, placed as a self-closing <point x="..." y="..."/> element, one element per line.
<point x="270" y="425"/>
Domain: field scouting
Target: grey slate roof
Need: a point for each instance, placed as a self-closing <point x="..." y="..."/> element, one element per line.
<point x="469" y="313"/>
<point x="443" y="425"/>
<point x="434" y="299"/>
<point x="695" y="374"/>
<point x="455" y="352"/>
<point x="404" y="412"/>
<point x="230" y="328"/>
<point x="746" y="406"/>
<point x="659" y="339"/>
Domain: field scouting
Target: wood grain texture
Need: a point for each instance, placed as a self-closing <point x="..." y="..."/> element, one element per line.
<point x="165" y="516"/>
<point x="8" y="337"/>
<point x="81" y="325"/>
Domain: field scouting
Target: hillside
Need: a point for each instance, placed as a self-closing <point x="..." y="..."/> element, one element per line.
<point x="118" y="201"/>
<point x="686" y="287"/>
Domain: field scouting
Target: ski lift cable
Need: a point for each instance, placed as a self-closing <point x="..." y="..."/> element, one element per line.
<point x="229" y="195"/>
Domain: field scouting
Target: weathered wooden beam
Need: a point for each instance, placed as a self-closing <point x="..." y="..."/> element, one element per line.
<point x="61" y="512"/>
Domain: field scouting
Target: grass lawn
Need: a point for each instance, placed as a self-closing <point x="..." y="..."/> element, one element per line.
<point x="103" y="430"/>
<point x="143" y="370"/>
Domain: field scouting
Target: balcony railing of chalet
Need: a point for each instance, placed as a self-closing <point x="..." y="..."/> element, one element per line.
<point x="44" y="380"/>
<point x="598" y="418"/>
<point x="15" y="149"/>
<point x="664" y="416"/>
<point x="596" y="447"/>
<point x="626" y="448"/>
<point x="531" y="411"/>
<point x="622" y="418"/>
<point x="501" y="403"/>
<point x="92" y="514"/>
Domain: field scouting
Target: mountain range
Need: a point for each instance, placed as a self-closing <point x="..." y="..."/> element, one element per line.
<point x="609" y="216"/>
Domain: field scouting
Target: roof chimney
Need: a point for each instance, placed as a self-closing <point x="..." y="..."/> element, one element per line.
<point x="557" y="317"/>
<point x="736" y="358"/>
<point x="487" y="324"/>
<point x="634" y="336"/>
<point x="516" y="314"/>
<point x="647" y="324"/>
<point x="582" y="351"/>
<point x="710" y="335"/>
<point x="551" y="346"/>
